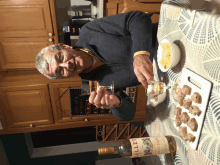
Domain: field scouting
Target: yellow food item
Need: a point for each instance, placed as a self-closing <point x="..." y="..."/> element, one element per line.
<point x="166" y="55"/>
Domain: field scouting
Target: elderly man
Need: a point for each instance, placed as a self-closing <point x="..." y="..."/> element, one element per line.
<point x="115" y="48"/>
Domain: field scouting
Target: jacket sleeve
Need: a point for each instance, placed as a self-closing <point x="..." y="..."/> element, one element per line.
<point x="137" y="24"/>
<point x="127" y="110"/>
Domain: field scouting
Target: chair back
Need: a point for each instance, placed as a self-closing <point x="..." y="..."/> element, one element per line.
<point x="153" y="9"/>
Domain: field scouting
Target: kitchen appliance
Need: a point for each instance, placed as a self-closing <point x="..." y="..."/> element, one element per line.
<point x="80" y="15"/>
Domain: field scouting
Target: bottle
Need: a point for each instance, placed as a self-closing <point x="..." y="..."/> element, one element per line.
<point x="140" y="147"/>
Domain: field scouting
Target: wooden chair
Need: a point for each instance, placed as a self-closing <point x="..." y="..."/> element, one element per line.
<point x="152" y="7"/>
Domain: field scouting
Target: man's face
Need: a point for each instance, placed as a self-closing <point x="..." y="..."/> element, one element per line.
<point x="65" y="62"/>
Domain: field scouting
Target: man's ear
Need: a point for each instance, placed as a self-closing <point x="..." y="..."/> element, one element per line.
<point x="64" y="45"/>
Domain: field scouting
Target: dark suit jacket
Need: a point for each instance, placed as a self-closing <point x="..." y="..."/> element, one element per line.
<point x="114" y="40"/>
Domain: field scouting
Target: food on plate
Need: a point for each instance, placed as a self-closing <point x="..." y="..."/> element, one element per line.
<point x="177" y="111"/>
<point x="186" y="90"/>
<point x="166" y="55"/>
<point x="194" y="110"/>
<point x="184" y="117"/>
<point x="156" y="88"/>
<point x="178" y="121"/>
<point x="183" y="131"/>
<point x="187" y="103"/>
<point x="180" y="97"/>
<point x="180" y="100"/>
<point x="196" y="97"/>
<point x="189" y="137"/>
<point x="156" y="98"/>
<point x="192" y="124"/>
<point x="180" y="93"/>
<point x="161" y="87"/>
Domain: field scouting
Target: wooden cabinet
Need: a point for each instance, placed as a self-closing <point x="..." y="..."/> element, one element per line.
<point x="26" y="106"/>
<point x="27" y="19"/>
<point x="20" y="53"/>
<point x="25" y="28"/>
<point x="61" y="101"/>
<point x="114" y="7"/>
<point x="31" y="102"/>
<point x="122" y="6"/>
<point x="61" y="105"/>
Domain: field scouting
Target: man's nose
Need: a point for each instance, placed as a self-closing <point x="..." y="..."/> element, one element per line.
<point x="65" y="64"/>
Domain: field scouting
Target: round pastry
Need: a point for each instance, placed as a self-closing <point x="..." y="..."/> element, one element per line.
<point x="192" y="124"/>
<point x="184" y="117"/>
<point x="189" y="137"/>
<point x="178" y="122"/>
<point x="180" y="93"/>
<point x="194" y="110"/>
<point x="180" y="100"/>
<point x="187" y="103"/>
<point x="186" y="90"/>
<point x="177" y="111"/>
<point x="183" y="131"/>
<point x="196" y="98"/>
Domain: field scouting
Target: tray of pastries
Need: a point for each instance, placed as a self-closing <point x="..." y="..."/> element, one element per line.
<point x="192" y="98"/>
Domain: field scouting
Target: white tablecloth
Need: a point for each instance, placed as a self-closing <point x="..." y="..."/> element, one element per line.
<point x="197" y="34"/>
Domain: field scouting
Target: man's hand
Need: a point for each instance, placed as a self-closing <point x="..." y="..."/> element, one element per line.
<point x="143" y="69"/>
<point x="103" y="99"/>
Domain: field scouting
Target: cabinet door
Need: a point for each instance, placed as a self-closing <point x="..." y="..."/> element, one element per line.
<point x="25" y="18"/>
<point x="25" y="106"/>
<point x="20" y="53"/>
<point x="111" y="9"/>
<point x="61" y="104"/>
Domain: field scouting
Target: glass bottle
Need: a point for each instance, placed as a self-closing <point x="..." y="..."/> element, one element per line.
<point x="140" y="147"/>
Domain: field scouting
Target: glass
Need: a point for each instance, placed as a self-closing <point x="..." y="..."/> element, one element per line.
<point x="88" y="86"/>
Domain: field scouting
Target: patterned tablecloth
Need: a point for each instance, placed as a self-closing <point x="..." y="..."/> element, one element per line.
<point x="197" y="34"/>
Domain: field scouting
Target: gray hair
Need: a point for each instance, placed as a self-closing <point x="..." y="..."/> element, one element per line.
<point x="42" y="65"/>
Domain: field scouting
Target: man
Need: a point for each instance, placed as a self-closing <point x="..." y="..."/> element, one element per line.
<point x="115" y="48"/>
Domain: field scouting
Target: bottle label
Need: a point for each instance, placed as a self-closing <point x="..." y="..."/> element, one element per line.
<point x="149" y="146"/>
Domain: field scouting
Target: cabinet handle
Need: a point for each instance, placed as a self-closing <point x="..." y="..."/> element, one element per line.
<point x="87" y="120"/>
<point x="31" y="125"/>
<point x="50" y="39"/>
<point x="50" y="34"/>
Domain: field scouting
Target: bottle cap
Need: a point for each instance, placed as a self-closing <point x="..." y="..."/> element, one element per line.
<point x="106" y="150"/>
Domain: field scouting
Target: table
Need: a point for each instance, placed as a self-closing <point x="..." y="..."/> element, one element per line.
<point x="197" y="33"/>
